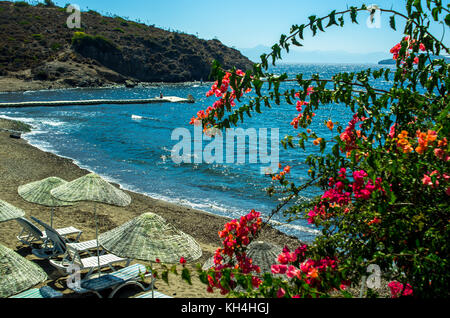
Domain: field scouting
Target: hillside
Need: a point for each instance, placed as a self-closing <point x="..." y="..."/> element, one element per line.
<point x="37" y="45"/>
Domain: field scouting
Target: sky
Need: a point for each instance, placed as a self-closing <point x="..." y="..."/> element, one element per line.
<point x="249" y="23"/>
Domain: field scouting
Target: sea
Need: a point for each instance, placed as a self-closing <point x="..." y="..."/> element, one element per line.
<point x="131" y="145"/>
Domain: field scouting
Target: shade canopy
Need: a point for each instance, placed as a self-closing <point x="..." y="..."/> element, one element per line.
<point x="39" y="192"/>
<point x="91" y="187"/>
<point x="263" y="254"/>
<point x="17" y="273"/>
<point x="9" y="212"/>
<point x="150" y="238"/>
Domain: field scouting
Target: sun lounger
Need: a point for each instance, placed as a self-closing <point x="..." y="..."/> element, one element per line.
<point x="73" y="256"/>
<point x="32" y="234"/>
<point x="130" y="275"/>
<point x="82" y="247"/>
<point x="43" y="292"/>
<point x="156" y="294"/>
<point x="90" y="263"/>
<point x="58" y="243"/>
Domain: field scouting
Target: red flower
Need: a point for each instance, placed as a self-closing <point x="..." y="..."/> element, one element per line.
<point x="281" y="293"/>
<point x="396" y="289"/>
<point x="182" y="261"/>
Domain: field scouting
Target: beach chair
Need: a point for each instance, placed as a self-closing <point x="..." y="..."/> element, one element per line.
<point x="155" y="294"/>
<point x="43" y="292"/>
<point x="72" y="254"/>
<point x="129" y="275"/>
<point x="31" y="234"/>
<point x="89" y="263"/>
<point x="58" y="243"/>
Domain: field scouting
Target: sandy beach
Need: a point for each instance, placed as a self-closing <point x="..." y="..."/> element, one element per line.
<point x="21" y="163"/>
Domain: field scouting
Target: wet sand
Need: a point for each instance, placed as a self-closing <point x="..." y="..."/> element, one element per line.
<point x="21" y="163"/>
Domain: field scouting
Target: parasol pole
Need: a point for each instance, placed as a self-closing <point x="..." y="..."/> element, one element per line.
<point x="96" y="238"/>
<point x="51" y="216"/>
<point x="152" y="282"/>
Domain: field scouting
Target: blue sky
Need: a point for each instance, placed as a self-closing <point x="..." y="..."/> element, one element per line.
<point x="248" y="23"/>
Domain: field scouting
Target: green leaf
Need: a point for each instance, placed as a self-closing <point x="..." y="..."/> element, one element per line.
<point x="319" y="25"/>
<point x="332" y="19"/>
<point x="353" y="14"/>
<point x="392" y="22"/>
<point x="300" y="31"/>
<point x="186" y="275"/>
<point x="165" y="277"/>
<point x="435" y="13"/>
<point x="447" y="19"/>
<point x="295" y="42"/>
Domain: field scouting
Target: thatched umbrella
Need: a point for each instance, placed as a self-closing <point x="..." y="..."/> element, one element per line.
<point x="150" y="238"/>
<point x="17" y="273"/>
<point x="92" y="187"/>
<point x="39" y="192"/>
<point x="9" y="212"/>
<point x="263" y="254"/>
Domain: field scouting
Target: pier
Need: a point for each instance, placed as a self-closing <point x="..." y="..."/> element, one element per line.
<point x="167" y="99"/>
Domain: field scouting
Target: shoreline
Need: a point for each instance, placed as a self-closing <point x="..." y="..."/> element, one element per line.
<point x="11" y="84"/>
<point x="20" y="163"/>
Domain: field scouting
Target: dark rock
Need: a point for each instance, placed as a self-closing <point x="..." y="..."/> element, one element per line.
<point x="130" y="84"/>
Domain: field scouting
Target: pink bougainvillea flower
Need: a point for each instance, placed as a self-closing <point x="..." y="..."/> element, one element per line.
<point x="427" y="180"/>
<point x="396" y="289"/>
<point x="281" y="293"/>
<point x="439" y="153"/>
<point x="279" y="269"/>
<point x="292" y="272"/>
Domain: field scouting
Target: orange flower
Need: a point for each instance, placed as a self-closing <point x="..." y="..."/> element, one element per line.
<point x="313" y="273"/>
<point x="425" y="139"/>
<point x="330" y="125"/>
<point x="317" y="141"/>
<point x="403" y="142"/>
<point x="442" y="143"/>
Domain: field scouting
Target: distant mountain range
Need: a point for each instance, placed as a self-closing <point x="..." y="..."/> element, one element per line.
<point x="303" y="56"/>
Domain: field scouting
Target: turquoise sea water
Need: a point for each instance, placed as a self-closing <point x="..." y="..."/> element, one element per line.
<point x="136" y="153"/>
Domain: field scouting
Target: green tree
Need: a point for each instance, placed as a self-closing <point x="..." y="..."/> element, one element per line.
<point x="385" y="175"/>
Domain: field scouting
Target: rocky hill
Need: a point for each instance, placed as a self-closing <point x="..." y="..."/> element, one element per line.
<point x="37" y="45"/>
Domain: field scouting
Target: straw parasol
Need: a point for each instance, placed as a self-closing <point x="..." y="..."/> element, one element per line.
<point x="92" y="187"/>
<point x="263" y="254"/>
<point x="39" y="192"/>
<point x="150" y="238"/>
<point x="17" y="273"/>
<point x="9" y="212"/>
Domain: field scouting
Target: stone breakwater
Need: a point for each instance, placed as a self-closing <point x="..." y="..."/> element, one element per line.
<point x="168" y="99"/>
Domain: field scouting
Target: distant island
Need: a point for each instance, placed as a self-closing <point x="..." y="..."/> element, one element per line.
<point x="39" y="51"/>
<point x="393" y="62"/>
